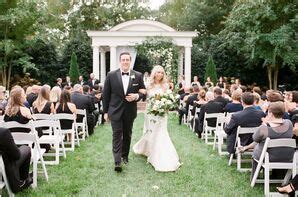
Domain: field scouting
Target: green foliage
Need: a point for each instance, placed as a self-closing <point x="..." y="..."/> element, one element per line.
<point x="81" y="46"/>
<point x="264" y="30"/>
<point x="160" y="51"/>
<point x="74" y="69"/>
<point x="44" y="56"/>
<point x="211" y="70"/>
<point x="18" y="21"/>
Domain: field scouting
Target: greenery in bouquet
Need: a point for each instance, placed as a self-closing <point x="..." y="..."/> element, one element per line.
<point x="161" y="104"/>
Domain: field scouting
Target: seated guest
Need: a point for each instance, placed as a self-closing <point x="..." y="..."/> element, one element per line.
<point x="55" y="95"/>
<point x="3" y="100"/>
<point x="219" y="98"/>
<point x="274" y="127"/>
<point x="33" y="95"/>
<point x="210" y="107"/>
<point x="274" y="96"/>
<point x="290" y="188"/>
<point x="84" y="102"/>
<point x="65" y="106"/>
<point x="201" y="101"/>
<point x="16" y="160"/>
<point x="235" y="105"/>
<point x="249" y="117"/>
<point x="257" y="98"/>
<point x="43" y="105"/>
<point x="189" y="102"/>
<point x="226" y="94"/>
<point x="15" y="110"/>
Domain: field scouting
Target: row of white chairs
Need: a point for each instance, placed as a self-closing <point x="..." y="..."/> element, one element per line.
<point x="53" y="135"/>
<point x="218" y="135"/>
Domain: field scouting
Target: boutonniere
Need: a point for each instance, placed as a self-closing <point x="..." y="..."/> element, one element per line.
<point x="132" y="76"/>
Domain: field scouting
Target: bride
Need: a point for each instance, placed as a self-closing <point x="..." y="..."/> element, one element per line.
<point x="155" y="142"/>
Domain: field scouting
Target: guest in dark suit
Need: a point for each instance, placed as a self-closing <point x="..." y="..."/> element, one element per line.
<point x="249" y="117"/>
<point x="59" y="83"/>
<point x="33" y="95"/>
<point x="190" y="100"/>
<point x="81" y="81"/>
<point x="16" y="161"/>
<point x="84" y="102"/>
<point x="210" y="107"/>
<point x="92" y="81"/>
<point x="219" y="98"/>
<point x="120" y="95"/>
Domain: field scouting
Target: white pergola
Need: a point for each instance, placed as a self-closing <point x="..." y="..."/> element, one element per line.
<point x="132" y="33"/>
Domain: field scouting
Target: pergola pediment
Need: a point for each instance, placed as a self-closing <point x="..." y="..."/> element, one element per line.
<point x="142" y="25"/>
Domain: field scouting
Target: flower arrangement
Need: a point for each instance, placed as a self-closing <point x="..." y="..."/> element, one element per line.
<point x="161" y="104"/>
<point x="161" y="51"/>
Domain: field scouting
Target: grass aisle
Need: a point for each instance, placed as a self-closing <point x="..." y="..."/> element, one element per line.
<point x="89" y="170"/>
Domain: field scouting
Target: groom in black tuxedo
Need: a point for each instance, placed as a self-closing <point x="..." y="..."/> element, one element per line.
<point x="120" y="95"/>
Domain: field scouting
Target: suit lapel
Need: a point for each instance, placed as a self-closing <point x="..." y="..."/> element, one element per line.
<point x="130" y="80"/>
<point x="119" y="77"/>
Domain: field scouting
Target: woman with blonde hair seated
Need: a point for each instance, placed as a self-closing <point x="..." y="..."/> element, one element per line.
<point x="15" y="110"/>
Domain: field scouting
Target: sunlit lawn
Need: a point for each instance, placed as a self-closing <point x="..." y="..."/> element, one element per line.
<point x="89" y="170"/>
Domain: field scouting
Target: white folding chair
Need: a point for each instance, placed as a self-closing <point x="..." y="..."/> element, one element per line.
<point x="220" y="134"/>
<point x="208" y="130"/>
<point x="3" y="174"/>
<point x="194" y="118"/>
<point x="41" y="116"/>
<point x="56" y="138"/>
<point x="72" y="131"/>
<point x="29" y="139"/>
<point x="189" y="116"/>
<point x="267" y="165"/>
<point x="241" y="131"/>
<point x="83" y="125"/>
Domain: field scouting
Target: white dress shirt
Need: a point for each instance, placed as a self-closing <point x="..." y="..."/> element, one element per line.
<point x="125" y="81"/>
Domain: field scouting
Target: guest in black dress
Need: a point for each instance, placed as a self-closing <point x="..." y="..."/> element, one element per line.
<point x="16" y="111"/>
<point x="42" y="105"/>
<point x="65" y="106"/>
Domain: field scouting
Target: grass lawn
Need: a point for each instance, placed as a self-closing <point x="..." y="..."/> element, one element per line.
<point x="89" y="170"/>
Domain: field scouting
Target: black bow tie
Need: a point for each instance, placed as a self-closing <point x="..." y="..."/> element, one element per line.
<point x="125" y="73"/>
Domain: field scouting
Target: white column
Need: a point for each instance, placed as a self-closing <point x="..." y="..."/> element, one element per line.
<point x="95" y="68"/>
<point x="187" y="65"/>
<point x="102" y="65"/>
<point x="180" y="63"/>
<point x="113" y="58"/>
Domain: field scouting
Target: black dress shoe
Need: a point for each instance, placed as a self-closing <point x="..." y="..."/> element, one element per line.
<point x="118" y="167"/>
<point x="125" y="160"/>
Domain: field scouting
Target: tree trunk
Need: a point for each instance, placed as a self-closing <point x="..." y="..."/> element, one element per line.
<point x="8" y="76"/>
<point x="275" y="79"/>
<point x="269" y="72"/>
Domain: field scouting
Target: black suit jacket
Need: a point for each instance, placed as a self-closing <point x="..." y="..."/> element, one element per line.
<point x="90" y="84"/>
<point x="31" y="98"/>
<point x="221" y="100"/>
<point x="249" y="117"/>
<point x="114" y="102"/>
<point x="209" y="108"/>
<point x="82" y="102"/>
<point x="190" y="100"/>
<point x="11" y="154"/>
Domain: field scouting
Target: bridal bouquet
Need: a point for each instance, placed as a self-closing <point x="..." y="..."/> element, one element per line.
<point x="161" y="104"/>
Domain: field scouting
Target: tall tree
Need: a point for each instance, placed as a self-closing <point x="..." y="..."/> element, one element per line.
<point x="265" y="31"/>
<point x="74" y="69"/>
<point x="211" y="70"/>
<point x="18" y="21"/>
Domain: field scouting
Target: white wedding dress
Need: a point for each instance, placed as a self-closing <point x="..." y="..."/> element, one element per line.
<point x="156" y="143"/>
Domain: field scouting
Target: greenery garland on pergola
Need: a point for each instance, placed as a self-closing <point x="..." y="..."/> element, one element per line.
<point x="160" y="51"/>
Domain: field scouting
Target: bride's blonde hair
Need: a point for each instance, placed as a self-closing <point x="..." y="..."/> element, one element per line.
<point x="155" y="69"/>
